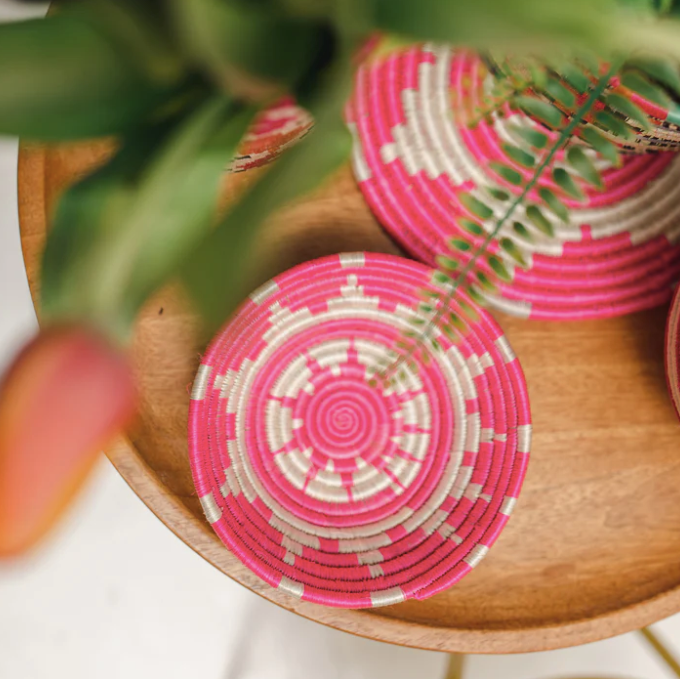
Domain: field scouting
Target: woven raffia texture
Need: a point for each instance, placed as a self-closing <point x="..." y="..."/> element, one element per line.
<point x="414" y="156"/>
<point x="273" y="130"/>
<point x="333" y="487"/>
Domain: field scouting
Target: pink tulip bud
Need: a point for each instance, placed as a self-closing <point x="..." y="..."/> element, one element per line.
<point x="65" y="396"/>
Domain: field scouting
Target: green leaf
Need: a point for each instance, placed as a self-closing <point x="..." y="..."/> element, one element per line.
<point x="508" y="173"/>
<point x="499" y="268"/>
<point x="663" y="71"/>
<point x="629" y="109"/>
<point x="469" y="311"/>
<point x="441" y="278"/>
<point x="574" y="76"/>
<point x="498" y="194"/>
<point x="214" y="272"/>
<point x="638" y="83"/>
<point x="554" y="203"/>
<point x="60" y="79"/>
<point x="533" y="137"/>
<point x="447" y="263"/>
<point x="577" y="158"/>
<point x="614" y="125"/>
<point x="560" y="93"/>
<point x="539" y="220"/>
<point x="460" y="245"/>
<point x="519" y="155"/>
<point x="476" y="296"/>
<point x="521" y="25"/>
<point x="522" y="231"/>
<point x="471" y="227"/>
<point x="566" y="182"/>
<point x="258" y="39"/>
<point x="457" y="322"/>
<point x="449" y="331"/>
<point x="511" y="249"/>
<point x="476" y="206"/>
<point x="542" y="110"/>
<point x="435" y="345"/>
<point x="606" y="148"/>
<point x="486" y="283"/>
<point x="120" y="233"/>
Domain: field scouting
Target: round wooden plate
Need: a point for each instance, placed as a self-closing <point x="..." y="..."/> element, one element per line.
<point x="592" y="549"/>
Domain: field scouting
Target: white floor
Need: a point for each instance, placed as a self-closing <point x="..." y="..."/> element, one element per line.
<point x="114" y="594"/>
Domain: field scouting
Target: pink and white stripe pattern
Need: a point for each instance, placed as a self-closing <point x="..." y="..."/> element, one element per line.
<point x="414" y="157"/>
<point x="336" y="490"/>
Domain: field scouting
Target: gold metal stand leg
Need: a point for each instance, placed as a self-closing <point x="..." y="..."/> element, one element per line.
<point x="455" y="668"/>
<point x="661" y="650"/>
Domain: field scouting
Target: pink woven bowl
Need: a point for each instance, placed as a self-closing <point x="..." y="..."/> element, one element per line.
<point x="274" y="130"/>
<point x="412" y="159"/>
<point x="336" y="490"/>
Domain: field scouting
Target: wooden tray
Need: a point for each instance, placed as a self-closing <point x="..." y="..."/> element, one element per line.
<point x="593" y="549"/>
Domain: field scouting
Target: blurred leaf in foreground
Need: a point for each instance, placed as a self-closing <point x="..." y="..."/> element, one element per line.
<point x="68" y="77"/>
<point x="214" y="271"/>
<point x="120" y="233"/>
<point x="67" y="394"/>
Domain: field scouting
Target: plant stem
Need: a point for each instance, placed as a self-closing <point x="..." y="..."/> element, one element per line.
<point x="565" y="134"/>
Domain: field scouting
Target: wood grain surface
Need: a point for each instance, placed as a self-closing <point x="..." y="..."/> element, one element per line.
<point x="593" y="548"/>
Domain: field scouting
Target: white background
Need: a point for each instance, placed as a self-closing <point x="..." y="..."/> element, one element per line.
<point x="114" y="594"/>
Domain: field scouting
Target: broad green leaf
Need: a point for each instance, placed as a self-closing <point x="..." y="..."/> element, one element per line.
<point x="476" y="206"/>
<point x="566" y="182"/>
<point x="556" y="206"/>
<point x="533" y="137"/>
<point x="471" y="227"/>
<point x="663" y="71"/>
<point x="560" y="93"/>
<point x="577" y="158"/>
<point x="521" y="25"/>
<point x="519" y="155"/>
<point x="120" y="233"/>
<point x="508" y="173"/>
<point x="257" y="39"/>
<point x="629" y="109"/>
<point x="614" y="125"/>
<point x="60" y="79"/>
<point x="574" y="76"/>
<point x="522" y="231"/>
<point x="499" y="268"/>
<point x="638" y="83"/>
<point x="607" y="149"/>
<point x="542" y="110"/>
<point x="539" y="220"/>
<point x="214" y="272"/>
<point x="511" y="249"/>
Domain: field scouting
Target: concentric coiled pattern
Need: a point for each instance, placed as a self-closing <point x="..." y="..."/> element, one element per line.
<point x="414" y="157"/>
<point x="334" y="488"/>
